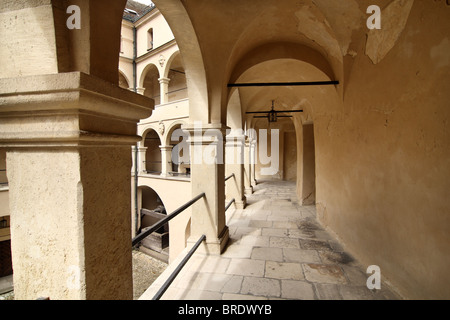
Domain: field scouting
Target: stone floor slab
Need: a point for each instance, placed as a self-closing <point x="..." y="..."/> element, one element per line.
<point x="301" y="255"/>
<point x="283" y="242"/>
<point x="261" y="287"/>
<point x="247" y="267"/>
<point x="264" y="253"/>
<point x="322" y="273"/>
<point x="284" y="270"/>
<point x="298" y="290"/>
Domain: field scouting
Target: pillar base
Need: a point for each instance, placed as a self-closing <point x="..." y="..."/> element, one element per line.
<point x="212" y="246"/>
<point x="240" y="204"/>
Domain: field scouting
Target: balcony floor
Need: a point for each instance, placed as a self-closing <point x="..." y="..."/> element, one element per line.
<point x="277" y="250"/>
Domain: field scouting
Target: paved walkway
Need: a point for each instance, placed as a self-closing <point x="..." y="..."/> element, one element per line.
<point x="277" y="250"/>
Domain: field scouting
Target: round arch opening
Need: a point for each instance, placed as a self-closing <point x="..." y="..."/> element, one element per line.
<point x="150" y="83"/>
<point x="153" y="157"/>
<point x="153" y="210"/>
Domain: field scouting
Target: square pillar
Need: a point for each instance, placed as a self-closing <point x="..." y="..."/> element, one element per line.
<point x="208" y="176"/>
<point x="142" y="151"/>
<point x="234" y="164"/>
<point x="166" y="160"/>
<point x="253" y="155"/>
<point x="68" y="139"/>
<point x="248" y="189"/>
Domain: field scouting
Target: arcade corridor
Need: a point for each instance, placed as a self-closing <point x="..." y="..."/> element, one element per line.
<point x="277" y="249"/>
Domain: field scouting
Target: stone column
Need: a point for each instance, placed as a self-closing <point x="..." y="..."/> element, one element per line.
<point x="142" y="152"/>
<point x="68" y="138"/>
<point x="164" y="88"/>
<point x="234" y="164"/>
<point x="208" y="176"/>
<point x="166" y="160"/>
<point x="253" y="155"/>
<point x="247" y="168"/>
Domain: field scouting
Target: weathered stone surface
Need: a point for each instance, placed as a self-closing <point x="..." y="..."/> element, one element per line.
<point x="393" y="21"/>
<point x="344" y="17"/>
<point x="301" y="255"/>
<point x="300" y="290"/>
<point x="246" y="267"/>
<point x="280" y="270"/>
<point x="324" y="273"/>
<point x="274" y="254"/>
<point x="327" y="291"/>
<point x="261" y="287"/>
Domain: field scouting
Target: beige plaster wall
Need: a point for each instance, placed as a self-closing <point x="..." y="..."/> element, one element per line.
<point x="126" y="43"/>
<point x="290" y="156"/>
<point x="384" y="166"/>
<point x="161" y="32"/>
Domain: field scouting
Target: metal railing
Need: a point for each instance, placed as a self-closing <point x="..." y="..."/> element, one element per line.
<point x="229" y="204"/>
<point x="183" y="262"/>
<point x="162" y="222"/>
<point x="229" y="177"/>
<point x="232" y="200"/>
<point x="177" y="270"/>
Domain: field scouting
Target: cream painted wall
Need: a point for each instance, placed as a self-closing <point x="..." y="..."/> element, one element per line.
<point x="161" y="32"/>
<point x="384" y="165"/>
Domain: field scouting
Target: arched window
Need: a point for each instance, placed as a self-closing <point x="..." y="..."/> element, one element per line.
<point x="150" y="39"/>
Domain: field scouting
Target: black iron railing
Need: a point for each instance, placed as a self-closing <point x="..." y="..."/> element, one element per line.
<point x="177" y="270"/>
<point x="229" y="204"/>
<point x="229" y="177"/>
<point x="232" y="200"/>
<point x="162" y="222"/>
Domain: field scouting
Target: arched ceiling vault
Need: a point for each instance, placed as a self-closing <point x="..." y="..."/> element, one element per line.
<point x="312" y="99"/>
<point x="229" y="32"/>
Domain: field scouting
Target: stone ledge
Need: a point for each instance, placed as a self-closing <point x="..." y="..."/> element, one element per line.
<point x="69" y="109"/>
<point x="73" y="90"/>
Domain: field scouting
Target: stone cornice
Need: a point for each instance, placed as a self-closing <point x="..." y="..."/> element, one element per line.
<point x="70" y="109"/>
<point x="70" y="90"/>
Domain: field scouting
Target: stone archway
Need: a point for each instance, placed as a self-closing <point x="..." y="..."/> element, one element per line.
<point x="149" y="83"/>
<point x="75" y="137"/>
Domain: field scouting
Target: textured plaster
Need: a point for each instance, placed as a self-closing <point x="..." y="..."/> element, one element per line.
<point x="393" y="22"/>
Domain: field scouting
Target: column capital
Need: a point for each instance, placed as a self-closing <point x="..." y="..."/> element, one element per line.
<point x="68" y="109"/>
<point x="166" y="148"/>
<point x="164" y="80"/>
<point x="139" y="90"/>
